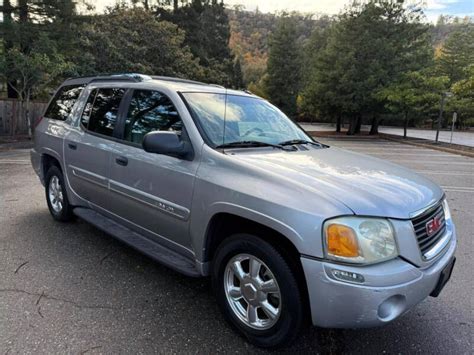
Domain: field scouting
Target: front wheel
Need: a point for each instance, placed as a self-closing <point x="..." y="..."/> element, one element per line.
<point x="257" y="291"/>
<point x="56" y="196"/>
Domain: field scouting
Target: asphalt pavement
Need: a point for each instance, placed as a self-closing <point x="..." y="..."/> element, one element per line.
<point x="71" y="289"/>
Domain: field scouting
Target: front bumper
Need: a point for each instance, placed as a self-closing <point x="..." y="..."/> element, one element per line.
<point x="390" y="289"/>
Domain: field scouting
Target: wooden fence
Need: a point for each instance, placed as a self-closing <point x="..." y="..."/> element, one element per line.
<point x="11" y="124"/>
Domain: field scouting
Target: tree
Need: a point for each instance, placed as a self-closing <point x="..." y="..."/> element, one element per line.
<point x="283" y="81"/>
<point x="237" y="79"/>
<point x="32" y="72"/>
<point x="133" y="40"/>
<point x="318" y="98"/>
<point x="463" y="101"/>
<point x="370" y="47"/>
<point x="457" y="53"/>
<point x="207" y="33"/>
<point x="27" y="22"/>
<point x="414" y="94"/>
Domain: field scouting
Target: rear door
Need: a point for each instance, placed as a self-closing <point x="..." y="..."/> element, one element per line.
<point x="152" y="193"/>
<point x="88" y="147"/>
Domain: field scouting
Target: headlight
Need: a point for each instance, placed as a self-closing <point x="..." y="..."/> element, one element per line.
<point x="359" y="240"/>
<point x="447" y="212"/>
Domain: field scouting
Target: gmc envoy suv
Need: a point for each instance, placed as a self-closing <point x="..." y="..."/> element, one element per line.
<point x="216" y="182"/>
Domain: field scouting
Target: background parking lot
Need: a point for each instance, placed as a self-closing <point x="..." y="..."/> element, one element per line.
<point x="69" y="288"/>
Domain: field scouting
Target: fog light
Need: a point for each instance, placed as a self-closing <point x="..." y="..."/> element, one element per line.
<point x="347" y="276"/>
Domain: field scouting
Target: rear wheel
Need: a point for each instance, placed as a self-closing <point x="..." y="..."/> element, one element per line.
<point x="257" y="291"/>
<point x="56" y="196"/>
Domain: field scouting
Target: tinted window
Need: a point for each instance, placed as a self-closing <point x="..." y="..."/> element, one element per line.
<point x="150" y="111"/>
<point x="100" y="112"/>
<point x="61" y="106"/>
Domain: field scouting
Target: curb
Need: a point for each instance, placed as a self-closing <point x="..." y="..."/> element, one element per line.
<point x="467" y="153"/>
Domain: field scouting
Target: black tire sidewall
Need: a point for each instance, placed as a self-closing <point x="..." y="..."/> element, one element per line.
<point x="291" y="319"/>
<point x="66" y="212"/>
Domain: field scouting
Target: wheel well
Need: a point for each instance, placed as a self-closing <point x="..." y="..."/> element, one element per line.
<point x="49" y="161"/>
<point x="224" y="225"/>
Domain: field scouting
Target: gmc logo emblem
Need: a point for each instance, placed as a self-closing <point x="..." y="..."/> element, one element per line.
<point x="432" y="226"/>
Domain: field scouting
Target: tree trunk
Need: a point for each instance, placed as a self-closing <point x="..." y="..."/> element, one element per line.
<point x="27" y="114"/>
<point x="338" y="123"/>
<point x="358" y="124"/>
<point x="405" y="125"/>
<point x="352" y="126"/>
<point x="175" y="5"/>
<point x="146" y="5"/>
<point x="374" y="129"/>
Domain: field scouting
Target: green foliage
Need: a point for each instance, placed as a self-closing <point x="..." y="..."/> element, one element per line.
<point x="132" y="40"/>
<point x="457" y="53"/>
<point x="463" y="101"/>
<point x="237" y="78"/>
<point x="250" y="37"/>
<point x="375" y="57"/>
<point x="34" y="71"/>
<point x="371" y="46"/>
<point x="414" y="94"/>
<point x="284" y="63"/>
<point x="207" y="32"/>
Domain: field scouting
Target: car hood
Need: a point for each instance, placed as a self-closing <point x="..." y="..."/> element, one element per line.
<point x="367" y="185"/>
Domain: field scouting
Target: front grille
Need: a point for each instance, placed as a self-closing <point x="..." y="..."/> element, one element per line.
<point x="426" y="242"/>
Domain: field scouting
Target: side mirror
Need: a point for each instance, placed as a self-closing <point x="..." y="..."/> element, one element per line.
<point x="167" y="143"/>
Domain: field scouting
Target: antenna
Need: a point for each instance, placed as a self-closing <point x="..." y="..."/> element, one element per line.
<point x="225" y="115"/>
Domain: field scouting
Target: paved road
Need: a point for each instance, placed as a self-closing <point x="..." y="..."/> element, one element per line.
<point x="462" y="138"/>
<point x="69" y="288"/>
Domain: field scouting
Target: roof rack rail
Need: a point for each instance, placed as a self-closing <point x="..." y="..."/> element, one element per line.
<point x="137" y="78"/>
<point x="134" y="77"/>
<point x="180" y="80"/>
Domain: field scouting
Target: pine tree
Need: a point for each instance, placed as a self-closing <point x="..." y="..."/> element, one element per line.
<point x="237" y="78"/>
<point x="283" y="72"/>
<point x="457" y="53"/>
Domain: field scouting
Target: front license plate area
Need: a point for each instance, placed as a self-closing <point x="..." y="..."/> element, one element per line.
<point x="443" y="278"/>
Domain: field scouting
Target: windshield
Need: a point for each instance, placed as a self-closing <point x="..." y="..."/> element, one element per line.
<point x="246" y="119"/>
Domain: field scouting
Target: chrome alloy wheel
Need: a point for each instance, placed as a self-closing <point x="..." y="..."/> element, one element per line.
<point x="55" y="194"/>
<point x="252" y="291"/>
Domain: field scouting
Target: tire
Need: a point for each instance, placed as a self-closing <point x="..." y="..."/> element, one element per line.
<point x="56" y="196"/>
<point x="265" y="329"/>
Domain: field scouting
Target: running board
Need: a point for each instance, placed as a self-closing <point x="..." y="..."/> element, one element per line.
<point x="157" y="252"/>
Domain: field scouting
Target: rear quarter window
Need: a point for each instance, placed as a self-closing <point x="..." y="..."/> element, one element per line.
<point x="63" y="102"/>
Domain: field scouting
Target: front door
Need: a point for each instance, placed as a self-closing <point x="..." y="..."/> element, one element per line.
<point x="152" y="193"/>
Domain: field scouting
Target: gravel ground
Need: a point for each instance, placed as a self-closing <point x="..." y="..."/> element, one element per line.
<point x="69" y="288"/>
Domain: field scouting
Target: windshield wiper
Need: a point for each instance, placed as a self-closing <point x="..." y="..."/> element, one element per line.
<point x="298" y="141"/>
<point x="249" y="144"/>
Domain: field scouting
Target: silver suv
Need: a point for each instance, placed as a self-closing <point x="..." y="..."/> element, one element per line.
<point x="210" y="181"/>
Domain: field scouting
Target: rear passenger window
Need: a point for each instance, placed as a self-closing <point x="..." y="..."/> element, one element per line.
<point x="101" y="109"/>
<point x="62" y="103"/>
<point x="150" y="111"/>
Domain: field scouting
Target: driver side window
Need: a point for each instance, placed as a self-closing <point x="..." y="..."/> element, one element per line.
<point x="150" y="111"/>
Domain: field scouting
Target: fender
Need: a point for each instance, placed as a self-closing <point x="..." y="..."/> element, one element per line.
<point x="198" y="229"/>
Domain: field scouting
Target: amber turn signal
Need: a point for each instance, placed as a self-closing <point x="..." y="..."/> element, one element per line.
<point x="342" y="241"/>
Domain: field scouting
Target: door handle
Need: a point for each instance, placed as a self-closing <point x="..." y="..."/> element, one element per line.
<point x="72" y="146"/>
<point x="121" y="161"/>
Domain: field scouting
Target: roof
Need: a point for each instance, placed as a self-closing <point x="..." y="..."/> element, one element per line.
<point x="178" y="84"/>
